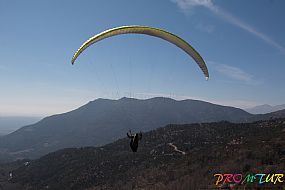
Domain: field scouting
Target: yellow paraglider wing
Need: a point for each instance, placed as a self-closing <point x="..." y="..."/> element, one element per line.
<point x="179" y="42"/>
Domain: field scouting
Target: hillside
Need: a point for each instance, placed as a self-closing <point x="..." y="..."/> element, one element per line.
<point x="265" y="108"/>
<point x="267" y="116"/>
<point x="209" y="148"/>
<point x="103" y="121"/>
<point x="9" y="124"/>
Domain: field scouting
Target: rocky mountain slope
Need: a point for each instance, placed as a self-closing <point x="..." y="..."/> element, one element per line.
<point x="174" y="157"/>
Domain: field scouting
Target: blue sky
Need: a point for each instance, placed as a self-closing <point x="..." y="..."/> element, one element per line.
<point x="242" y="43"/>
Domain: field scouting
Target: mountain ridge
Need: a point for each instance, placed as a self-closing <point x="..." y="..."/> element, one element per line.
<point x="102" y="121"/>
<point x="265" y="108"/>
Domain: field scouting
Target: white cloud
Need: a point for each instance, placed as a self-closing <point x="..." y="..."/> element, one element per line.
<point x="186" y="5"/>
<point x="235" y="73"/>
<point x="205" y="28"/>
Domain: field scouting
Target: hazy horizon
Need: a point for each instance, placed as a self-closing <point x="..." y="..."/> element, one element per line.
<point x="177" y="98"/>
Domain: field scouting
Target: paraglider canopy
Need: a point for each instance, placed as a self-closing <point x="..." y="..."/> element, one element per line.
<point x="172" y="38"/>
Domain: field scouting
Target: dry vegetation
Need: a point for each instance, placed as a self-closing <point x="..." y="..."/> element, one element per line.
<point x="210" y="148"/>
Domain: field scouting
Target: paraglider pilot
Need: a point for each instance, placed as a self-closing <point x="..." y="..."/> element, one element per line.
<point x="134" y="140"/>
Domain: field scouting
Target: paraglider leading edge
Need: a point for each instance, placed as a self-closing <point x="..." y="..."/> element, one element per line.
<point x="156" y="32"/>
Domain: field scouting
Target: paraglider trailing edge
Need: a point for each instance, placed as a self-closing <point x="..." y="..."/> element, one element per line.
<point x="156" y="32"/>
